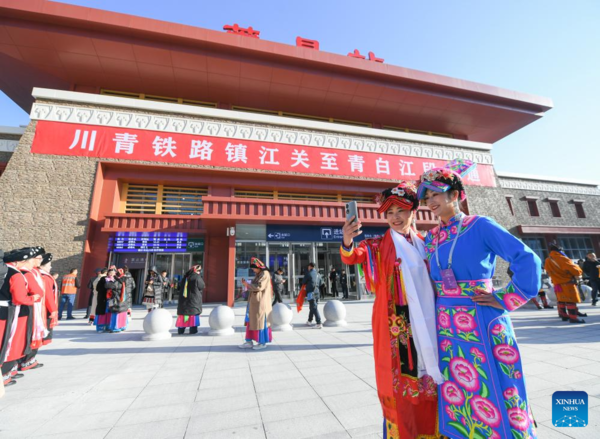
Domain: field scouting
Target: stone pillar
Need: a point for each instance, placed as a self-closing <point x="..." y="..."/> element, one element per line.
<point x="221" y="321"/>
<point x="281" y="317"/>
<point x="157" y="324"/>
<point x="335" y="313"/>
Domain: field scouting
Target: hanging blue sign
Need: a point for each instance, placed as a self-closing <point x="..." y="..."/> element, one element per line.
<point x="281" y="232"/>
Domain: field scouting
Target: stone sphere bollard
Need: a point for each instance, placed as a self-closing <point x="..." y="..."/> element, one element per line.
<point x="335" y="313"/>
<point x="157" y="324"/>
<point x="221" y="321"/>
<point x="281" y="317"/>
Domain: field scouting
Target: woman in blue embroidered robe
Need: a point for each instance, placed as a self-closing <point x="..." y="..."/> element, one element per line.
<point x="484" y="395"/>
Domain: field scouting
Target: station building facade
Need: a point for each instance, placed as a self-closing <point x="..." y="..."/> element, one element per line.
<point x="157" y="144"/>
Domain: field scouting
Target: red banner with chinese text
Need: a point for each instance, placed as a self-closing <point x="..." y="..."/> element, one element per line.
<point x="68" y="139"/>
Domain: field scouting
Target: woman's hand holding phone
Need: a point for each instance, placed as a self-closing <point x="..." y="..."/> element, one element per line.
<point x="352" y="229"/>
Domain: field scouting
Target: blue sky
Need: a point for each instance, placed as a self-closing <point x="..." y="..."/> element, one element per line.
<point x="542" y="47"/>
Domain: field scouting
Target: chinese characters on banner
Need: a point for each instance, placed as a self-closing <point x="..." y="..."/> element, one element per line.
<point x="60" y="138"/>
<point x="300" y="42"/>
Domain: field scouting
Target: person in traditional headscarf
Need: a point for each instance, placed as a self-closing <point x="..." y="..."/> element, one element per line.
<point x="15" y="339"/>
<point x="565" y="274"/>
<point x="484" y="394"/>
<point x="109" y="289"/>
<point x="36" y="324"/>
<point x="189" y="307"/>
<point x="50" y="310"/>
<point x="404" y="333"/>
<point x="118" y="303"/>
<point x="95" y="282"/>
<point x="153" y="290"/>
<point x="258" y="314"/>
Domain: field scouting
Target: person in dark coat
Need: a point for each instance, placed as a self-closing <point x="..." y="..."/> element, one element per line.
<point x="153" y="290"/>
<point x="590" y="267"/>
<point x="278" y="282"/>
<point x="129" y="289"/>
<point x="109" y="317"/>
<point x="189" y="307"/>
<point x="333" y="279"/>
<point x="311" y="280"/>
<point x="344" y="282"/>
<point x="127" y="278"/>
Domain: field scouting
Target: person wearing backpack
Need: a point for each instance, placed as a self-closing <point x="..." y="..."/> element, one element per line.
<point x="312" y="280"/>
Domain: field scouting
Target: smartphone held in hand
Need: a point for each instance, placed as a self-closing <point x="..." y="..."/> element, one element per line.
<point x="351" y="211"/>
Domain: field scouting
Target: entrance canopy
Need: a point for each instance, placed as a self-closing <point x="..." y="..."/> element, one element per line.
<point x="54" y="45"/>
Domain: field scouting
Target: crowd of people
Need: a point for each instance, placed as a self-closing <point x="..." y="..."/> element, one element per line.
<point x="28" y="311"/>
<point x="447" y="360"/>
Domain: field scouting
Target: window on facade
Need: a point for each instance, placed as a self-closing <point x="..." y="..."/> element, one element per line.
<point x="538" y="245"/>
<point x="510" y="205"/>
<point x="140" y="198"/>
<point x="579" y="210"/>
<point x="576" y="247"/>
<point x="295" y="196"/>
<point x="533" y="209"/>
<point x="555" y="209"/>
<point x="244" y="251"/>
<point x="162" y="200"/>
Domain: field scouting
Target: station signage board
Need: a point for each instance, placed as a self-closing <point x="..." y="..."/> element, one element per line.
<point x="285" y="233"/>
<point x="195" y="245"/>
<point x="148" y="242"/>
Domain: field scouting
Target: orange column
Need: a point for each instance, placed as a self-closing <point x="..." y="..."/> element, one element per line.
<point x="231" y="271"/>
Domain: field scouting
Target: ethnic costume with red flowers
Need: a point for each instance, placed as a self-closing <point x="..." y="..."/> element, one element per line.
<point x="404" y="343"/>
<point x="484" y="395"/>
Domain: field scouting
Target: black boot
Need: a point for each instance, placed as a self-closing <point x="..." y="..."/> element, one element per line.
<point x="180" y="331"/>
<point x="194" y="330"/>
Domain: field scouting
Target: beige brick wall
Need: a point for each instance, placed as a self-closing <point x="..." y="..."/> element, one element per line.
<point x="45" y="201"/>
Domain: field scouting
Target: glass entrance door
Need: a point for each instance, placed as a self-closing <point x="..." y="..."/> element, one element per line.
<point x="176" y="265"/>
<point x="279" y="255"/>
<point x="328" y="256"/>
<point x="181" y="264"/>
<point x="301" y="255"/>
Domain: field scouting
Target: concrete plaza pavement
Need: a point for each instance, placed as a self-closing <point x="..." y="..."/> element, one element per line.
<point x="309" y="383"/>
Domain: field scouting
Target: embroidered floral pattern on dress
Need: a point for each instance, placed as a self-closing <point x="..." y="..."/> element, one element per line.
<point x="509" y="298"/>
<point x="447" y="233"/>
<point x="405" y="330"/>
<point x="519" y="415"/>
<point x="505" y="352"/>
<point x="458" y="322"/>
<point x="465" y="394"/>
<point x="465" y="288"/>
<point x="444" y="322"/>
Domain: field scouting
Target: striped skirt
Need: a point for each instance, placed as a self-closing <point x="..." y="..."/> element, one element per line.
<point x="118" y="322"/>
<point x="188" y="321"/>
